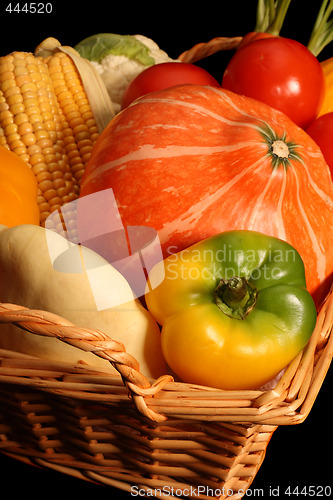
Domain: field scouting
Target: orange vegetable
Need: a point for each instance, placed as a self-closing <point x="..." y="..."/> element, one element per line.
<point x="195" y="161"/>
<point x="18" y="188"/>
<point x="327" y="105"/>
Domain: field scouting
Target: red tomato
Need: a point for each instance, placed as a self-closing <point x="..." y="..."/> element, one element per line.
<point x="321" y="131"/>
<point x="164" y="75"/>
<point x="280" y="72"/>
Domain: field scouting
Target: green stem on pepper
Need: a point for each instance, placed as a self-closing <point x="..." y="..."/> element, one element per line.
<point x="235" y="297"/>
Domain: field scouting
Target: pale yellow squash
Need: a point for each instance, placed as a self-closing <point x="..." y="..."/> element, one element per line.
<point x="42" y="270"/>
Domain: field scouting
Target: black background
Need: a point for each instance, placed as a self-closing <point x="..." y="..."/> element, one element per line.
<point x="297" y="456"/>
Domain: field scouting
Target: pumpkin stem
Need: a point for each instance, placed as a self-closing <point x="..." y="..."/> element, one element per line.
<point x="235" y="297"/>
<point x="280" y="149"/>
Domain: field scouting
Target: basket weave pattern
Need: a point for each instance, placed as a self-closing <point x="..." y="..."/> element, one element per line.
<point x="80" y="420"/>
<point x="126" y="431"/>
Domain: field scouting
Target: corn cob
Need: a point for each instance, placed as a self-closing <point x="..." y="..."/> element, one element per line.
<point x="45" y="118"/>
<point x="78" y="126"/>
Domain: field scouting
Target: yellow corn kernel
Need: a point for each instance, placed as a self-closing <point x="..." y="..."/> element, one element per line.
<point x="30" y="125"/>
<point x="46" y="119"/>
<point x="74" y="107"/>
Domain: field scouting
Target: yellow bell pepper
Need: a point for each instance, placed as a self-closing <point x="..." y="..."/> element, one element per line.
<point x="327" y="105"/>
<point x="18" y="187"/>
<point x="234" y="309"/>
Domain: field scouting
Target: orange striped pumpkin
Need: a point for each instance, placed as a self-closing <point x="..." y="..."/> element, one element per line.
<point x="193" y="161"/>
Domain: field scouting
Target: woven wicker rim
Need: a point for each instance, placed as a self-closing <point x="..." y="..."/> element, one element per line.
<point x="288" y="403"/>
<point x="206" y="49"/>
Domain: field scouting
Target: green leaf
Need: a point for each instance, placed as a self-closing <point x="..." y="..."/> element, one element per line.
<point x="96" y="47"/>
<point x="271" y="15"/>
<point x="322" y="33"/>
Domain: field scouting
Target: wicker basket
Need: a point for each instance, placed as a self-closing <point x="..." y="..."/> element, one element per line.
<point x="128" y="432"/>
